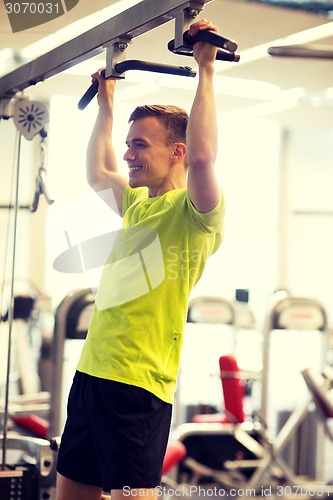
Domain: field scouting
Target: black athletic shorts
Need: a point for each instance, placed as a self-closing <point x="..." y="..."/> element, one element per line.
<point x="115" y="436"/>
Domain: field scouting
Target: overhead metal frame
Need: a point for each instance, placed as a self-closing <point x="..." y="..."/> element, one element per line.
<point x="127" y="25"/>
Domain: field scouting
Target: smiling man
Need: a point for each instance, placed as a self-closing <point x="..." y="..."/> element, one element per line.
<point x="120" y="404"/>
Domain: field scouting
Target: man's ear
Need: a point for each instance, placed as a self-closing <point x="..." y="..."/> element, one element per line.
<point x="179" y="150"/>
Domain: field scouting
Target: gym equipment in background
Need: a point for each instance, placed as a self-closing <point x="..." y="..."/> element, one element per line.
<point x="248" y="455"/>
<point x="72" y="318"/>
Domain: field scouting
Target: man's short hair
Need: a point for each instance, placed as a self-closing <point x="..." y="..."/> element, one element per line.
<point x="173" y="118"/>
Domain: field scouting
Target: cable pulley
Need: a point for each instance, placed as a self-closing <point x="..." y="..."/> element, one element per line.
<point x="30" y="117"/>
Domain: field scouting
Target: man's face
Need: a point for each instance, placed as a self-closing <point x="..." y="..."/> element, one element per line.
<point x="147" y="156"/>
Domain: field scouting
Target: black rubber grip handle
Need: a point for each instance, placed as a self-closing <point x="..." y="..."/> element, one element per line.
<point x="140" y="66"/>
<point x="212" y="38"/>
<point x="221" y="55"/>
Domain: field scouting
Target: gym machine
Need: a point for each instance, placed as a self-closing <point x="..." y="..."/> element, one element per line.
<point x="295" y="338"/>
<point x="320" y="385"/>
<point x="72" y="320"/>
<point x="28" y="462"/>
<point x="247" y="455"/>
<point x="31" y="475"/>
<point x="27" y="469"/>
<point x="214" y="327"/>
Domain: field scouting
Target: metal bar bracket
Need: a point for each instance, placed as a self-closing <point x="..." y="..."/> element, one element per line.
<point x="183" y="20"/>
<point x="115" y="53"/>
<point x="6" y="108"/>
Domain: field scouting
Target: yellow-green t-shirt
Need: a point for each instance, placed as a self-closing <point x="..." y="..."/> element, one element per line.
<point x="136" y="331"/>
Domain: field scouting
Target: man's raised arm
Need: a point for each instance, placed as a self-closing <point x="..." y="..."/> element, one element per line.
<point x="201" y="138"/>
<point x="102" y="169"/>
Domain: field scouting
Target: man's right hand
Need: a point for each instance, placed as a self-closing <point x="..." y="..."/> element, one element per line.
<point x="106" y="88"/>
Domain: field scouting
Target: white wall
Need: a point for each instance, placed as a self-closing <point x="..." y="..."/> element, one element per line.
<point x="248" y="163"/>
<point x="308" y="215"/>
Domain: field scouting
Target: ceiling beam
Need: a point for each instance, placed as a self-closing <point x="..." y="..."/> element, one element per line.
<point x="133" y="22"/>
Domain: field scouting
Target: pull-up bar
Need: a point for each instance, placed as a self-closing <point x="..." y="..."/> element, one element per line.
<point x="113" y="35"/>
<point x="134" y="21"/>
<point x="226" y="53"/>
<point x="140" y="66"/>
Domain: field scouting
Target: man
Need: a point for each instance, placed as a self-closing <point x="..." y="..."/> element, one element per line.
<point x="121" y="399"/>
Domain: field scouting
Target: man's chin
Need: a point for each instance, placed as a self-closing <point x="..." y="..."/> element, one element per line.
<point x="133" y="183"/>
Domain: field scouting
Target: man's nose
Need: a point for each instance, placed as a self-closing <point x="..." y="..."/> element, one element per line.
<point x="128" y="155"/>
